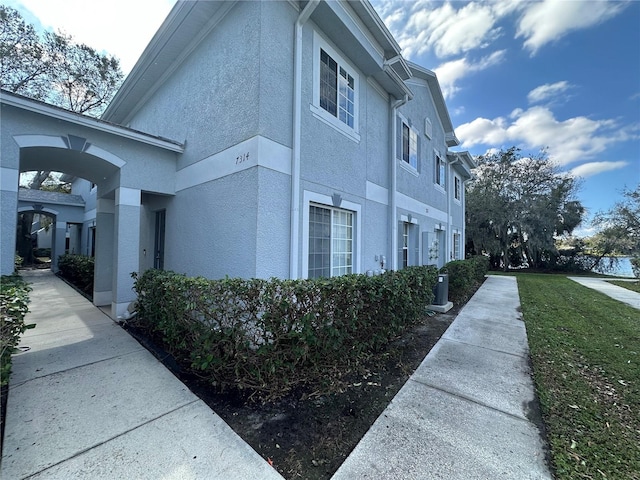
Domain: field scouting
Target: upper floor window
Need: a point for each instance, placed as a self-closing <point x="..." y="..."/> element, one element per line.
<point x="457" y="188"/>
<point x="409" y="145"/>
<point x="335" y="89"/>
<point x="440" y="171"/>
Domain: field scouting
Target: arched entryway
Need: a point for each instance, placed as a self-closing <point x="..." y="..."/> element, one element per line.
<point x="120" y="165"/>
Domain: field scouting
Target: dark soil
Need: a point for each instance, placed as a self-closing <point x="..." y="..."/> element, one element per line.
<point x="309" y="435"/>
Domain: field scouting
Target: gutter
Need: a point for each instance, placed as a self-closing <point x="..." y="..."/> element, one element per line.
<point x="294" y="251"/>
<point x="393" y="222"/>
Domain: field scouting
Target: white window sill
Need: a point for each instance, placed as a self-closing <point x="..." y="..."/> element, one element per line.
<point x="440" y="188"/>
<point x="457" y="201"/>
<point x="333" y="122"/>
<point x="408" y="167"/>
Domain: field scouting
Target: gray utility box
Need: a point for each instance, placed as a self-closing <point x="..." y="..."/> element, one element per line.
<point x="441" y="290"/>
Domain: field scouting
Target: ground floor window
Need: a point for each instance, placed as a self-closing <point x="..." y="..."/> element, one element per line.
<point x="330" y="241"/>
<point x="457" y="254"/>
<point x="405" y="244"/>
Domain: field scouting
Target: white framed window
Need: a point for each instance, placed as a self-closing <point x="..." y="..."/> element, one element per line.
<point x="405" y="244"/>
<point x="409" y="145"/>
<point x="440" y="171"/>
<point x="457" y="252"/>
<point x="335" y="89"/>
<point x="331" y="241"/>
<point x="457" y="188"/>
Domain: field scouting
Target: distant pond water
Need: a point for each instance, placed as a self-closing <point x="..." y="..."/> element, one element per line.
<point x="621" y="268"/>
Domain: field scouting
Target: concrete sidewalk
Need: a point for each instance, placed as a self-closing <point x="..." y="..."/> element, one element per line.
<point x="87" y="401"/>
<point x="466" y="412"/>
<point x="614" y="291"/>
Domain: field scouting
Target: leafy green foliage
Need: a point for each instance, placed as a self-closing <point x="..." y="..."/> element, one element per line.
<point x="585" y="350"/>
<point x="78" y="270"/>
<point x="465" y="276"/>
<point x="268" y="337"/>
<point x="516" y="207"/>
<point x="14" y="299"/>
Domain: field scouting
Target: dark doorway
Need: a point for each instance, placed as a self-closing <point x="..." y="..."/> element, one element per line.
<point x="158" y="259"/>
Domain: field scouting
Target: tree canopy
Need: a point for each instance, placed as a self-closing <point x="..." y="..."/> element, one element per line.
<point x="516" y="206"/>
<point x="53" y="68"/>
<point x="619" y="229"/>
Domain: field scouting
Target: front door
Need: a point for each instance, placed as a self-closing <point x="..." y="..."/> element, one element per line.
<point x="158" y="259"/>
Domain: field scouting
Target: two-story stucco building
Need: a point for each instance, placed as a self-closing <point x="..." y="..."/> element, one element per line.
<point x="253" y="139"/>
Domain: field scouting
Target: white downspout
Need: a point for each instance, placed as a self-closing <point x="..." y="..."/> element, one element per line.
<point x="294" y="252"/>
<point x="393" y="223"/>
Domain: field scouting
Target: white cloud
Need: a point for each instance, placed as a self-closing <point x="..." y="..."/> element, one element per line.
<point x="442" y="28"/>
<point x="122" y="28"/>
<point x="548" y="91"/>
<point x="548" y="21"/>
<point x="451" y="72"/>
<point x="568" y="141"/>
<point x="593" y="168"/>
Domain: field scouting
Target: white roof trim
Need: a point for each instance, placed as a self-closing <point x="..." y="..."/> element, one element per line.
<point x="58" y="113"/>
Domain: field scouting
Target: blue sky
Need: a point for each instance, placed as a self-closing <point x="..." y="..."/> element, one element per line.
<point x="557" y="75"/>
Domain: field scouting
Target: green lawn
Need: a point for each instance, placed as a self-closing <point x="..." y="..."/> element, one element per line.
<point x="585" y="350"/>
<point x="635" y="286"/>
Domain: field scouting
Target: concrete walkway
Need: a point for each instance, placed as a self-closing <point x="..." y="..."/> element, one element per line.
<point x="465" y="412"/>
<point x="88" y="402"/>
<point x="614" y="291"/>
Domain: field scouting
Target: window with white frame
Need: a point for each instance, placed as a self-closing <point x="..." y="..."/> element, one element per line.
<point x="330" y="241"/>
<point x="457" y="252"/>
<point x="440" y="172"/>
<point x="337" y="89"/>
<point x="409" y="145"/>
<point x="457" y="187"/>
<point x="405" y="244"/>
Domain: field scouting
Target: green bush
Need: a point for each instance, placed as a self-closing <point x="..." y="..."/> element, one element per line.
<point x="42" y="252"/>
<point x="270" y="336"/>
<point x="465" y="276"/>
<point x="78" y="270"/>
<point x="14" y="297"/>
<point x="17" y="261"/>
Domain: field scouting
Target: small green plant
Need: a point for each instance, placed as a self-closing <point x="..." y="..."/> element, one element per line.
<point x="17" y="262"/>
<point x="14" y="298"/>
<point x="465" y="276"/>
<point x="78" y="270"/>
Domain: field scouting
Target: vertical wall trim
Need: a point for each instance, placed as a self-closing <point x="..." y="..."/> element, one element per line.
<point x="294" y="251"/>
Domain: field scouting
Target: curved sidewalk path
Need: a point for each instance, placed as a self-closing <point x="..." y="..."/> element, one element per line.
<point x="88" y="402"/>
<point x="614" y="291"/>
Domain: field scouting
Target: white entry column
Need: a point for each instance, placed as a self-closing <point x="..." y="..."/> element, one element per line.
<point x="8" y="218"/>
<point x="126" y="258"/>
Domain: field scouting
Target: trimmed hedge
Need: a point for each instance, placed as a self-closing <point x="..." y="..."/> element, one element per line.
<point x="14" y="297"/>
<point x="464" y="276"/>
<point x="78" y="270"/>
<point x="268" y="337"/>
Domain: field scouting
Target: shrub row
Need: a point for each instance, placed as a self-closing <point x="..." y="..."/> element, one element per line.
<point x="78" y="270"/>
<point x="14" y="297"/>
<point x="268" y="337"/>
<point x="465" y="276"/>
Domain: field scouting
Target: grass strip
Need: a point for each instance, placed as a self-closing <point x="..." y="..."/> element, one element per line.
<point x="633" y="286"/>
<point x="585" y="350"/>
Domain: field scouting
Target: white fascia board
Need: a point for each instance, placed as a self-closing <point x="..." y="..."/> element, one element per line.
<point x="58" y="113"/>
